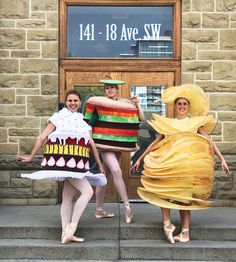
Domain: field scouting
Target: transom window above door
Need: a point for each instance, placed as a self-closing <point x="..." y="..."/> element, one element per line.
<point x="120" y="31"/>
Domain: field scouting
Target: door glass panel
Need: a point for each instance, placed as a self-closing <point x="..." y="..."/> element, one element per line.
<point x="120" y="31"/>
<point x="149" y="97"/>
<point x="86" y="91"/>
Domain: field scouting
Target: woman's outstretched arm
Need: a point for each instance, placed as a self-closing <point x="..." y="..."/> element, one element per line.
<point x="39" y="142"/>
<point x="224" y="165"/>
<point x="96" y="155"/>
<point x="135" y="167"/>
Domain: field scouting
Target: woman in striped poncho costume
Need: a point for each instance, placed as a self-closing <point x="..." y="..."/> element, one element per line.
<point x="115" y="123"/>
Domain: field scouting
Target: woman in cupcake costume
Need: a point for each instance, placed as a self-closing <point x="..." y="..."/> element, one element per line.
<point x="179" y="165"/>
<point x="66" y="158"/>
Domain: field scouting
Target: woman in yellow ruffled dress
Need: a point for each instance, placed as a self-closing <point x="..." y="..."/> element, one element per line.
<point x="179" y="165"/>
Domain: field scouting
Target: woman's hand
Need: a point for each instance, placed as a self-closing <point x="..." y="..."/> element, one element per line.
<point x="26" y="158"/>
<point x="225" y="167"/>
<point x="135" y="167"/>
<point x="102" y="170"/>
<point x="134" y="100"/>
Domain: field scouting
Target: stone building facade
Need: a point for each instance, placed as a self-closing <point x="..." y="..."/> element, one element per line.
<point x="29" y="73"/>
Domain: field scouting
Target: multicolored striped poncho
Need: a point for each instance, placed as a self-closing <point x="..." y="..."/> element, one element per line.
<point x="115" y="123"/>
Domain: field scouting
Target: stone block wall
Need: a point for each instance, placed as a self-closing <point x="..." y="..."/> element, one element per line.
<point x="29" y="86"/>
<point x="28" y="93"/>
<point x="209" y="60"/>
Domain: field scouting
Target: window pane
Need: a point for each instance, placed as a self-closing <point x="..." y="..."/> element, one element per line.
<point x="120" y="31"/>
<point x="149" y="97"/>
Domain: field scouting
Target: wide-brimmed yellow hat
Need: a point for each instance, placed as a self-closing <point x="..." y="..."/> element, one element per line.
<point x="199" y="103"/>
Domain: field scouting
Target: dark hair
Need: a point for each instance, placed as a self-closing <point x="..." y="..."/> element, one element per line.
<point x="72" y="92"/>
<point x="116" y="86"/>
<point x="181" y="98"/>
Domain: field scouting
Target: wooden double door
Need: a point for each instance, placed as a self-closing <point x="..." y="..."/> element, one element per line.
<point x="148" y="86"/>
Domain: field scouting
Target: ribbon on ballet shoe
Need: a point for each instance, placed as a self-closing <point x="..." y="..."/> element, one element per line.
<point x="181" y="237"/>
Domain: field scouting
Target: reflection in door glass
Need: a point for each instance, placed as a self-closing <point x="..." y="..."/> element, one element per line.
<point x="149" y="97"/>
<point x="87" y="91"/>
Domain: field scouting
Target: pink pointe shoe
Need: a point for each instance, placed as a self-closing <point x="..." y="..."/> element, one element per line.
<point x="182" y="236"/>
<point x="169" y="229"/>
<point x="101" y="213"/>
<point x="68" y="234"/>
<point x="128" y="213"/>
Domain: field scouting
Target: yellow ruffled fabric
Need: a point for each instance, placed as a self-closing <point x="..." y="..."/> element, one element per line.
<point x="179" y="172"/>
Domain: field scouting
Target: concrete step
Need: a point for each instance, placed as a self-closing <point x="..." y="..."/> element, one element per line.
<point x="137" y="231"/>
<point x="89" y="233"/>
<point x="33" y="234"/>
<point x="200" y="250"/>
<point x="52" y="250"/>
<point x="134" y="231"/>
<point x="39" y="260"/>
<point x="44" y="222"/>
<point x="136" y="250"/>
<point x="211" y="224"/>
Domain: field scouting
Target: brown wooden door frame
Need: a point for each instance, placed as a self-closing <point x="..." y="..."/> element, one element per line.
<point x="89" y="78"/>
<point x="93" y="65"/>
<point x="141" y="79"/>
<point x="118" y="64"/>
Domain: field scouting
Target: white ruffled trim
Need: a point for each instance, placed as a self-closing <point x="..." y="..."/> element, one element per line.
<point x="94" y="179"/>
<point x="69" y="122"/>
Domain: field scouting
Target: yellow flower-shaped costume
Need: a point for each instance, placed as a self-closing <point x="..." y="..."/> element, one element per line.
<point x="179" y="171"/>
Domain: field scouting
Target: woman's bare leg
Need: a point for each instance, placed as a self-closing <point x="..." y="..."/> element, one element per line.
<point x="66" y="205"/>
<point x="185" y="216"/>
<point x="165" y="214"/>
<point x="111" y="161"/>
<point x="86" y="191"/>
<point x="100" y="196"/>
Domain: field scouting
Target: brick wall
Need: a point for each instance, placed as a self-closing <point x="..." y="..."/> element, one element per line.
<point x="29" y="86"/>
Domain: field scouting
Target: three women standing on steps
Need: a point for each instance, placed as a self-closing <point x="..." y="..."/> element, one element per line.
<point x="179" y="165"/>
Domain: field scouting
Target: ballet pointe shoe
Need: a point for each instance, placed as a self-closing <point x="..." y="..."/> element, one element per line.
<point x="73" y="238"/>
<point x="128" y="213"/>
<point x="182" y="236"/>
<point x="77" y="239"/>
<point x="101" y="213"/>
<point x="68" y="234"/>
<point x="169" y="229"/>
